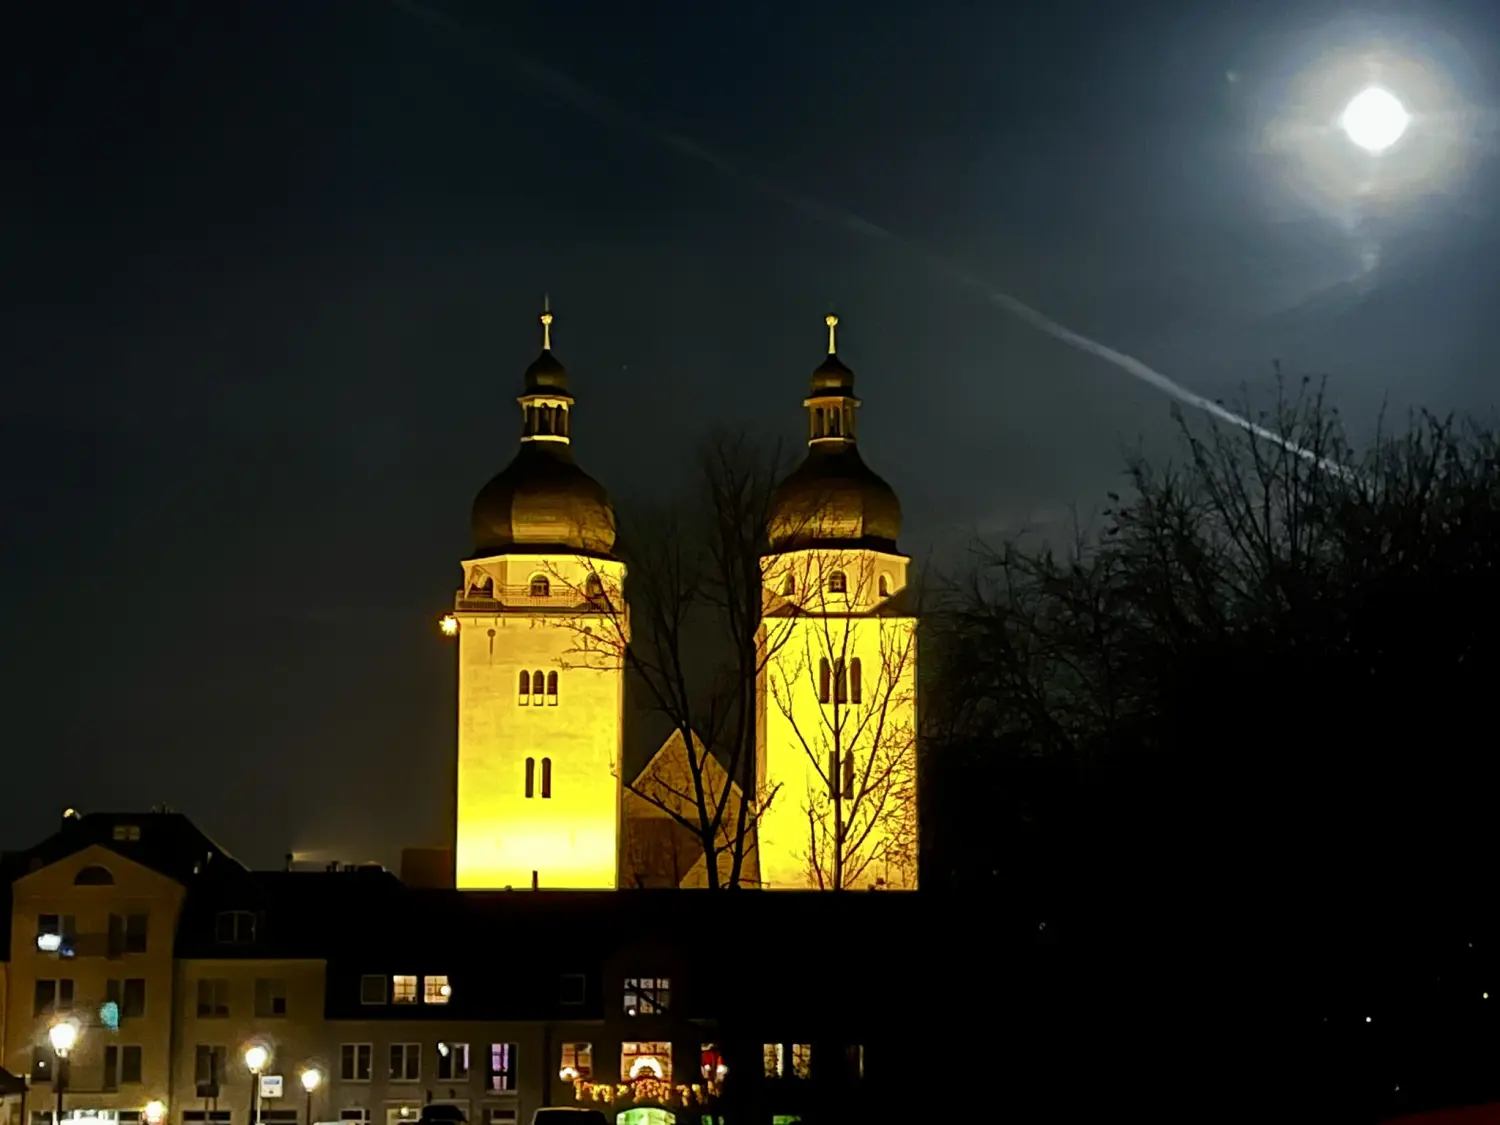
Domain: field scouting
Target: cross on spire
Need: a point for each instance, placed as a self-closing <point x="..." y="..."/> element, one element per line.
<point x="833" y="324"/>
<point x="547" y="323"/>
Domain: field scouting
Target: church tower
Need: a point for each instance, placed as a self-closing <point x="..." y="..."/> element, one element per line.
<point x="539" y="721"/>
<point x="837" y="759"/>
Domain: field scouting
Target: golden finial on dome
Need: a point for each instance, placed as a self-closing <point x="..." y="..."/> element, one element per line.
<point x="833" y="324"/>
<point x="547" y="323"/>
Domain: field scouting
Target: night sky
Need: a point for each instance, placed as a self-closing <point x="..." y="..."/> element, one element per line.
<point x="272" y="274"/>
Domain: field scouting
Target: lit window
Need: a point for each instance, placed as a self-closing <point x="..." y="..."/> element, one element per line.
<point x="838" y="583"/>
<point x="647" y="996"/>
<point x="406" y="1062"/>
<point x="372" y="988"/>
<point x="711" y="1063"/>
<point x="774" y="1059"/>
<point x="645" y="1060"/>
<point x="435" y="990"/>
<point x="354" y="1061"/>
<point x="540" y="587"/>
<point x="127" y="832"/>
<point x="453" y="1062"/>
<point x="502" y="1075"/>
<point x="802" y="1060"/>
<point x="577" y="1061"/>
<point x="403" y="990"/>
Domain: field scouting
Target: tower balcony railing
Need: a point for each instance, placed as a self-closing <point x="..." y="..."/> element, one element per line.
<point x="520" y="597"/>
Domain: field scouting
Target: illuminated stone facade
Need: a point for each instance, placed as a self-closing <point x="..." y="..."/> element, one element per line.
<point x="539" y="719"/>
<point x="541" y="702"/>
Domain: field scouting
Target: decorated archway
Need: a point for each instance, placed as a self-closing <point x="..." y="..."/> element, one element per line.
<point x="646" y="1115"/>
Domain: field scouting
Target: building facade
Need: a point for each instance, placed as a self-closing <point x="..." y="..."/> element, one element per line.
<point x="650" y="1006"/>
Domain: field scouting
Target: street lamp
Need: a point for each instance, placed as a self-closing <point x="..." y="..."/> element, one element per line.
<point x="155" y="1112"/>
<point x="256" y="1058"/>
<point x="312" y="1078"/>
<point x="64" y="1036"/>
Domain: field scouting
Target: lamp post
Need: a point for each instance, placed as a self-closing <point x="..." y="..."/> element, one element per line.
<point x="64" y="1036"/>
<point x="155" y="1112"/>
<point x="312" y="1078"/>
<point x="256" y="1058"/>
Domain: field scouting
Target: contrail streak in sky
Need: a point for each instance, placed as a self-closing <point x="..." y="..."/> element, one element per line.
<point x="611" y="113"/>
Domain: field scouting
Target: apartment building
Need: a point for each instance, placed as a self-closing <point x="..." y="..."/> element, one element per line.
<point x="171" y="961"/>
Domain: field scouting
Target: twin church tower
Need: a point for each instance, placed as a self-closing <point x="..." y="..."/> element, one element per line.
<point x="541" y="621"/>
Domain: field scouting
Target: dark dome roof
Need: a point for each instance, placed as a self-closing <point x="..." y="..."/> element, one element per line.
<point x="832" y="377"/>
<point x="834" y="497"/>
<point x="546" y="373"/>
<point x="543" y="501"/>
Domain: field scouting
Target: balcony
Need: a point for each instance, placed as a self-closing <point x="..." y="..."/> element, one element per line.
<point x="520" y="597"/>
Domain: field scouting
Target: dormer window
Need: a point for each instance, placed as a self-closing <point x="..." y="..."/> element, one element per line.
<point x="838" y="583"/>
<point x="540" y="587"/>
<point x="234" y="927"/>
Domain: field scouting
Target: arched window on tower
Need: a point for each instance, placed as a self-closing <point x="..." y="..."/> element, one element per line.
<point x="546" y="779"/>
<point x="523" y="689"/>
<point x="531" y="777"/>
<point x="817" y="422"/>
<point x="834" y="427"/>
<point x="789" y="587"/>
<point x="593" y="587"/>
<point x="848" y="775"/>
<point x="562" y="421"/>
<point x="551" y="689"/>
<point x="540" y="587"/>
<point x="824" y="679"/>
<point x="482" y="588"/>
<point x="538" y="685"/>
<point x="885" y="586"/>
<point x="838" y="583"/>
<point x="856" y="688"/>
<point x="840" y="682"/>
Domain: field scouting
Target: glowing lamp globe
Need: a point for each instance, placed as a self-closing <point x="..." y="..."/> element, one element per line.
<point x="256" y="1058"/>
<point x="312" y="1078"/>
<point x="1374" y="119"/>
<point x="63" y="1035"/>
<point x="155" y="1112"/>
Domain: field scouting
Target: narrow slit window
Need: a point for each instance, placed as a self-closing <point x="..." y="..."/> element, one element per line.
<point x="856" y="687"/>
<point x="538" y="684"/>
<point x="552" y="689"/>
<point x="840" y="682"/>
<point x="546" y="779"/>
<point x="523" y="689"/>
<point x="530" y="777"/>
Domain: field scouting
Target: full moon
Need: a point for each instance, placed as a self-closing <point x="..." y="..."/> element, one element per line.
<point x="1374" y="119"/>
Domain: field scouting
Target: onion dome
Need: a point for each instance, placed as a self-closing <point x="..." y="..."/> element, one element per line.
<point x="833" y="498"/>
<point x="542" y="502"/>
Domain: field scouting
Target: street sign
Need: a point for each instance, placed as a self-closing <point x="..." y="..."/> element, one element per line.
<point x="270" y="1085"/>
